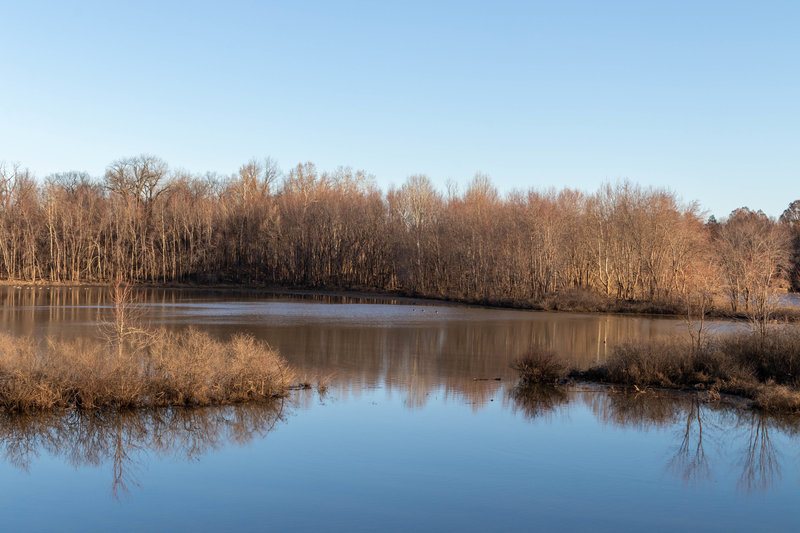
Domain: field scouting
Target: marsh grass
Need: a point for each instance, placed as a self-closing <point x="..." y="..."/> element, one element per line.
<point x="761" y="369"/>
<point x="163" y="368"/>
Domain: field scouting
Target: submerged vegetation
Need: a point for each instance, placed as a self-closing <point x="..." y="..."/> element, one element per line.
<point x="763" y="369"/>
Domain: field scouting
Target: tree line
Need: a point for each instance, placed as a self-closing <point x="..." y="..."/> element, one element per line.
<point x="142" y="222"/>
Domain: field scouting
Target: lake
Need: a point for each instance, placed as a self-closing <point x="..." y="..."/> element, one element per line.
<point x="421" y="428"/>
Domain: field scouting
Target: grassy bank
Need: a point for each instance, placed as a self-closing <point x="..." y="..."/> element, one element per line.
<point x="155" y="368"/>
<point x="766" y="371"/>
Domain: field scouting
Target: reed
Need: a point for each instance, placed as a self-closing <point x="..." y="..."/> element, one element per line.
<point x="161" y="368"/>
<point x="763" y="369"/>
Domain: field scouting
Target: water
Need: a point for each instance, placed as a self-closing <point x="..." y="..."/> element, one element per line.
<point x="416" y="431"/>
<point x="791" y="299"/>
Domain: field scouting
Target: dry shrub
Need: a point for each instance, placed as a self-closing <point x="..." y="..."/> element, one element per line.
<point x="540" y="366"/>
<point x="762" y="369"/>
<point x="576" y="299"/>
<point x="775" y="356"/>
<point x="776" y="398"/>
<point x="659" y="364"/>
<point x="187" y="368"/>
<point x="193" y="368"/>
<point x="671" y="364"/>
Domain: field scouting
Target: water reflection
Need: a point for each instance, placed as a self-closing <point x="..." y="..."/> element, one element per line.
<point x="125" y="440"/>
<point x="457" y="354"/>
<point x="740" y="438"/>
<point x="761" y="465"/>
<point x="411" y="348"/>
<point x="701" y="438"/>
<point x="538" y="401"/>
<point x="690" y="461"/>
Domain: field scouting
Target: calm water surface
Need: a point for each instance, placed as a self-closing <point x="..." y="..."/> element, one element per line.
<point x="421" y="428"/>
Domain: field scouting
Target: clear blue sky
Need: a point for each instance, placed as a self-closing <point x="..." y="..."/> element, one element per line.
<point x="701" y="97"/>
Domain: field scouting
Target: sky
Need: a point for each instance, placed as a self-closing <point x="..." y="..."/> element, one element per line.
<point x="702" y="98"/>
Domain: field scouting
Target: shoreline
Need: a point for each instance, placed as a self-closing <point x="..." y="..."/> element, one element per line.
<point x="783" y="314"/>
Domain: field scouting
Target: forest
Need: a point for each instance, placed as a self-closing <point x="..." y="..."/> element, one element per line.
<point x="306" y="228"/>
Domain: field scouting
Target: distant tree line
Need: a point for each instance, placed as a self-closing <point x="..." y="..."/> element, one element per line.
<point x="308" y="228"/>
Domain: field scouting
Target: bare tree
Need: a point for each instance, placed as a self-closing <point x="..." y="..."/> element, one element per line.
<point x="790" y="218"/>
<point x="753" y="252"/>
<point x="137" y="178"/>
<point x="337" y="229"/>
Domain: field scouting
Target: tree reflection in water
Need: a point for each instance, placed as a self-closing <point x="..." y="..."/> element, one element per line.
<point x="538" y="401"/>
<point x="125" y="438"/>
<point x="690" y="461"/>
<point x="744" y="433"/>
<point x="761" y="465"/>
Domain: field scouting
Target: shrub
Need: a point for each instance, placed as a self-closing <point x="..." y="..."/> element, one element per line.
<point x="187" y="368"/>
<point x="761" y="369"/>
<point x="540" y="366"/>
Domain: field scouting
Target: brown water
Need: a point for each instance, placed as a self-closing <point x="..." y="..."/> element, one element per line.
<point x="422" y="429"/>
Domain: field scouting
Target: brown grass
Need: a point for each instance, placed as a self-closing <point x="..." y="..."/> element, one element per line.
<point x="775" y="357"/>
<point x="159" y="369"/>
<point x="763" y="370"/>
